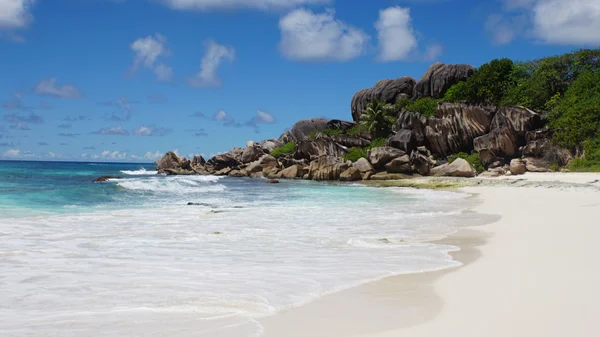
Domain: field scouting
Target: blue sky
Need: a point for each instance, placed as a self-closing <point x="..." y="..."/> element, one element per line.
<point x="131" y="79"/>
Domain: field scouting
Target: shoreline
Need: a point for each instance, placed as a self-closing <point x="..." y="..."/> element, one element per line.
<point x="457" y="300"/>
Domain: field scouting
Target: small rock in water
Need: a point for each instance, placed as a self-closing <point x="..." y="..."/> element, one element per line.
<point x="199" y="204"/>
<point x="273" y="181"/>
<point x="105" y="178"/>
<point x="217" y="233"/>
<point x="384" y="240"/>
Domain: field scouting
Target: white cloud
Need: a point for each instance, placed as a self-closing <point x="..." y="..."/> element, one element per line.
<point x="573" y="22"/>
<point x="49" y="87"/>
<point x="116" y="130"/>
<point x="221" y="116"/>
<point x="432" y="52"/>
<point x="144" y="130"/>
<point x="215" y="55"/>
<point x="153" y="156"/>
<point x="148" y="50"/>
<point x="253" y="4"/>
<point x="557" y="22"/>
<point x="397" y="38"/>
<point x="106" y="154"/>
<point x="51" y="154"/>
<point x="263" y="117"/>
<point x="12" y="153"/>
<point x="15" y="13"/>
<point x="310" y="36"/>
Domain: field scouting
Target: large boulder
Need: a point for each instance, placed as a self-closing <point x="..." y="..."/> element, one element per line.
<point x="414" y="122"/>
<point x="251" y="153"/>
<point x="499" y="143"/>
<point x="536" y="165"/>
<point x="198" y="161"/>
<point x="458" y="168"/>
<point x="380" y="156"/>
<point x="351" y="174"/>
<point x="539" y="145"/>
<point x="439" y="78"/>
<point x="222" y="161"/>
<point x="404" y="140"/>
<point x="387" y="91"/>
<point x="399" y="165"/>
<point x="324" y="145"/>
<point x="303" y="129"/>
<point x="169" y="161"/>
<point x="292" y="172"/>
<point x="518" y="119"/>
<point x="517" y="167"/>
<point x="421" y="163"/>
<point x="327" y="168"/>
<point x="363" y="165"/>
<point x="455" y="127"/>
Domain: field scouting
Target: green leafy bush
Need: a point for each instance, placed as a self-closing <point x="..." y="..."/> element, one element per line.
<point x="288" y="148"/>
<point x="427" y="106"/>
<point x="379" y="142"/>
<point x="577" y="117"/>
<point x="472" y="159"/>
<point x="355" y="153"/>
<point x="328" y="132"/>
<point x="590" y="162"/>
<point x="357" y="130"/>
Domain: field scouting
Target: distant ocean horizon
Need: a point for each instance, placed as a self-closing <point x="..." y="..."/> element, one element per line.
<point x="131" y="257"/>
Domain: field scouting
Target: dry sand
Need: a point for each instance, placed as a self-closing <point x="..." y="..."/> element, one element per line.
<point x="535" y="272"/>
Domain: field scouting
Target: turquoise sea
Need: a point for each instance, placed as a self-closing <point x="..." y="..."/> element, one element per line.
<point x="131" y="257"/>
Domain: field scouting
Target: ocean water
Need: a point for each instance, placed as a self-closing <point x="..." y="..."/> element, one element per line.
<point x="129" y="257"/>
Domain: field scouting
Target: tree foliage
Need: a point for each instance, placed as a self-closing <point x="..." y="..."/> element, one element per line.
<point x="378" y="119"/>
<point x="577" y="117"/>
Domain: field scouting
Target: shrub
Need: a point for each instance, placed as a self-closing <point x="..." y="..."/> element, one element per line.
<point x="355" y="153"/>
<point x="402" y="103"/>
<point x="379" y="142"/>
<point x="472" y="159"/>
<point x="577" y="117"/>
<point x="590" y="162"/>
<point x="457" y="93"/>
<point x="357" y="130"/>
<point x="288" y="148"/>
<point x="427" y="106"/>
<point x="332" y="132"/>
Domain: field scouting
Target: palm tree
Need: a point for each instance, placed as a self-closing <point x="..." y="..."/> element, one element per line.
<point x="378" y="119"/>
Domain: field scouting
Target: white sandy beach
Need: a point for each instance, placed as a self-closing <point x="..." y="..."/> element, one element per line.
<point x="535" y="272"/>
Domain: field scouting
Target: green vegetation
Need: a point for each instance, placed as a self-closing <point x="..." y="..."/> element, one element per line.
<point x="288" y="148"/>
<point x="566" y="87"/>
<point x="577" y="117"/>
<point x="590" y="161"/>
<point x="379" y="142"/>
<point x="355" y="153"/>
<point x="327" y="132"/>
<point x="472" y="159"/>
<point x="378" y="119"/>
<point x="486" y="86"/>
<point x="427" y="106"/>
<point x="357" y="130"/>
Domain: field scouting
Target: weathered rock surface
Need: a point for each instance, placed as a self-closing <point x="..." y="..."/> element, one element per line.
<point x="517" y="167"/>
<point x="387" y="91"/>
<point x="324" y="145"/>
<point x="399" y="165"/>
<point x="292" y="172"/>
<point x="198" y="161"/>
<point x="380" y="156"/>
<point x="536" y="165"/>
<point x="414" y="122"/>
<point x="363" y="165"/>
<point x="404" y="140"/>
<point x="169" y="161"/>
<point x="539" y="145"/>
<point x="327" y="168"/>
<point x="221" y="161"/>
<point x="518" y="119"/>
<point x="455" y="127"/>
<point x="389" y="176"/>
<point x="439" y="78"/>
<point x="421" y="163"/>
<point x="351" y="174"/>
<point x="499" y="143"/>
<point x="252" y="153"/>
<point x="458" y="168"/>
<point x="304" y="128"/>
